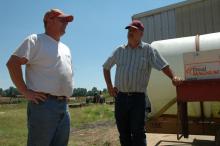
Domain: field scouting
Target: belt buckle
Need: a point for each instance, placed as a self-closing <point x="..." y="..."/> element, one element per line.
<point x="60" y="97"/>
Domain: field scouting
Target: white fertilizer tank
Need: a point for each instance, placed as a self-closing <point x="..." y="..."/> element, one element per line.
<point x="160" y="89"/>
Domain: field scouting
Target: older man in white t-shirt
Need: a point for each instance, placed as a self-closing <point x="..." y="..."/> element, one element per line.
<point x="48" y="81"/>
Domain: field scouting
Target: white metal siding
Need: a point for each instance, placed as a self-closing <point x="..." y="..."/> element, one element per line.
<point x="198" y="18"/>
<point x="159" y="26"/>
<point x="183" y="19"/>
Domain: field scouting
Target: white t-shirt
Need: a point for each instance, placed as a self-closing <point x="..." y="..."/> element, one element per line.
<point x="49" y="66"/>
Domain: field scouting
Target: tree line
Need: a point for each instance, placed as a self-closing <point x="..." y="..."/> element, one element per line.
<point x="12" y="91"/>
<point x="83" y="92"/>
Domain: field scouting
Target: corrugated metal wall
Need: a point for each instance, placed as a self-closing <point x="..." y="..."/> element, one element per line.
<point x="159" y="26"/>
<point x="186" y="19"/>
<point x="202" y="17"/>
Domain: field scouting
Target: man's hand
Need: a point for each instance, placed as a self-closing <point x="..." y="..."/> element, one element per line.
<point x="34" y="96"/>
<point x="112" y="91"/>
<point x="176" y="81"/>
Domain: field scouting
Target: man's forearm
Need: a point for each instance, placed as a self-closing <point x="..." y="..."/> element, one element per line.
<point x="15" y="72"/>
<point x="112" y="91"/>
<point x="175" y="80"/>
<point x="166" y="70"/>
<point x="107" y="76"/>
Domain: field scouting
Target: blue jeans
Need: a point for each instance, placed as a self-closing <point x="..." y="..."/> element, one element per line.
<point x="130" y="119"/>
<point x="48" y="123"/>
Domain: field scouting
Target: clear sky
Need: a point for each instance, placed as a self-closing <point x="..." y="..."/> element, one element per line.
<point x="98" y="28"/>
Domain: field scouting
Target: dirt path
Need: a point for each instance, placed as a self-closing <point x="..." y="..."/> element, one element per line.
<point x="96" y="134"/>
<point x="106" y="134"/>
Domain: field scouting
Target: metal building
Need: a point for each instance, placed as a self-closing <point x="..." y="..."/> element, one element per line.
<point x="182" y="19"/>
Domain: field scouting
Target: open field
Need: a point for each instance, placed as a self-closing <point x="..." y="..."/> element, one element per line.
<point x="92" y="125"/>
<point x="13" y="131"/>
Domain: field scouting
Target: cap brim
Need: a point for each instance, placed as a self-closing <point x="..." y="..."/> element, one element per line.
<point x="68" y="18"/>
<point x="127" y="27"/>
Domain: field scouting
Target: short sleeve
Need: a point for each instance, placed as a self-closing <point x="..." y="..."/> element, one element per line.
<point x="157" y="61"/>
<point x="27" y="48"/>
<point x="110" y="62"/>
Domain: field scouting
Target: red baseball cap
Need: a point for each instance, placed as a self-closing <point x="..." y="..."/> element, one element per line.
<point x="136" y="24"/>
<point x="57" y="13"/>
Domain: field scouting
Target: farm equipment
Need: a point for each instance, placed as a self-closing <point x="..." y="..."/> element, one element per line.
<point x="199" y="94"/>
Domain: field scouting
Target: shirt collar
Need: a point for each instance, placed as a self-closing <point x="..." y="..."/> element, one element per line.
<point x="140" y="46"/>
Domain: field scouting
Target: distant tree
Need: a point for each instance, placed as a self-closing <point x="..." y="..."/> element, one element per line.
<point x="1" y="92"/>
<point x="79" y="92"/>
<point x="11" y="91"/>
<point x="105" y="93"/>
<point x="90" y="93"/>
<point x="104" y="90"/>
<point x="95" y="90"/>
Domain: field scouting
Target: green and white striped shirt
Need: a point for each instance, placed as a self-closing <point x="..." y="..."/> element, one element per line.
<point x="133" y="66"/>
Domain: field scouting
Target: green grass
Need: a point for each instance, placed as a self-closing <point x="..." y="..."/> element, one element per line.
<point x="13" y="130"/>
<point x="92" y="113"/>
<point x="13" y="121"/>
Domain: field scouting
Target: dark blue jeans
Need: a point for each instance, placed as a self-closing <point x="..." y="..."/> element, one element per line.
<point x="48" y="123"/>
<point x="130" y="119"/>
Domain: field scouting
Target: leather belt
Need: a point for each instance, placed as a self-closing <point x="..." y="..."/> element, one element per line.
<point x="132" y="93"/>
<point x="60" y="98"/>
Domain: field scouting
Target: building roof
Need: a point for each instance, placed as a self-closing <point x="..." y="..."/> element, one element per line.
<point x="166" y="8"/>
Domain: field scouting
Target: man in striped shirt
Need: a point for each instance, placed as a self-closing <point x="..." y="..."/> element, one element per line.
<point x="134" y="62"/>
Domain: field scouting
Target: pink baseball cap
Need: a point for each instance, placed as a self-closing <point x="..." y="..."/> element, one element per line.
<point x="57" y="13"/>
<point x="136" y="24"/>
